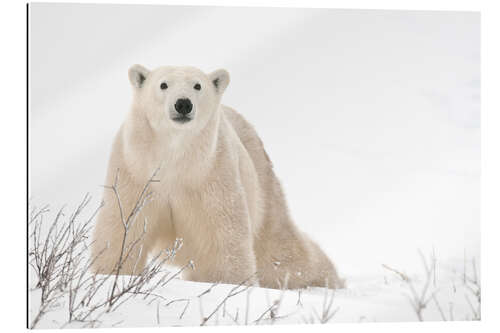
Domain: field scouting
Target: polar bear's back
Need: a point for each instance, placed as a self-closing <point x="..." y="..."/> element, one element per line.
<point x="250" y="140"/>
<point x="270" y="187"/>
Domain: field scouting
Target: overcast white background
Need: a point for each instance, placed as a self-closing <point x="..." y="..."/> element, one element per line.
<point x="371" y="118"/>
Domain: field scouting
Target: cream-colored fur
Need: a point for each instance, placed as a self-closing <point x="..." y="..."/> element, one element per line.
<point x="217" y="190"/>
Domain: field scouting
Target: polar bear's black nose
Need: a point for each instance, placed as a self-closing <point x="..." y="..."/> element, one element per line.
<point x="183" y="106"/>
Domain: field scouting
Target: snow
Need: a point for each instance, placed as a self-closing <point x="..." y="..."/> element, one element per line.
<point x="380" y="298"/>
<point x="371" y="119"/>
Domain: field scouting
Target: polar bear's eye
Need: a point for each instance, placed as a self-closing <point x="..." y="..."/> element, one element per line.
<point x="163" y="86"/>
<point x="197" y="86"/>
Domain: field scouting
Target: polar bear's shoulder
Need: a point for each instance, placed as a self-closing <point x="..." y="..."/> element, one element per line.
<point x="238" y="122"/>
<point x="247" y="134"/>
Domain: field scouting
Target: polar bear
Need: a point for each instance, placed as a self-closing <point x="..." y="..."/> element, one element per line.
<point x="216" y="189"/>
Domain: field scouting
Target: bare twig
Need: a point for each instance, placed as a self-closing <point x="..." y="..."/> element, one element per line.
<point x="327" y="313"/>
<point x="401" y="275"/>
<point x="233" y="292"/>
<point x="438" y="306"/>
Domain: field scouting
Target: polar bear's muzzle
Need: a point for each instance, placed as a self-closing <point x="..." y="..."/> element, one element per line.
<point x="183" y="108"/>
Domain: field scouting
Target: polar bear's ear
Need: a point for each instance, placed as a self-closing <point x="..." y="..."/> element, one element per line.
<point x="220" y="80"/>
<point x="137" y="74"/>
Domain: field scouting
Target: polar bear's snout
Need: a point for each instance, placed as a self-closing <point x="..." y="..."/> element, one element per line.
<point x="182" y="111"/>
<point x="183" y="106"/>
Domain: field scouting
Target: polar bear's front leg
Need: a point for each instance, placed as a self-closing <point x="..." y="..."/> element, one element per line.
<point x="124" y="234"/>
<point x="225" y="263"/>
<point x="218" y="239"/>
<point x="116" y="250"/>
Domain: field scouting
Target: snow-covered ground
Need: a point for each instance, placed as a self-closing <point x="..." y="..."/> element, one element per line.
<point x="380" y="298"/>
<point x="371" y="118"/>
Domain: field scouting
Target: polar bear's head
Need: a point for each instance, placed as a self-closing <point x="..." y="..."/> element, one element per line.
<point x="177" y="97"/>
